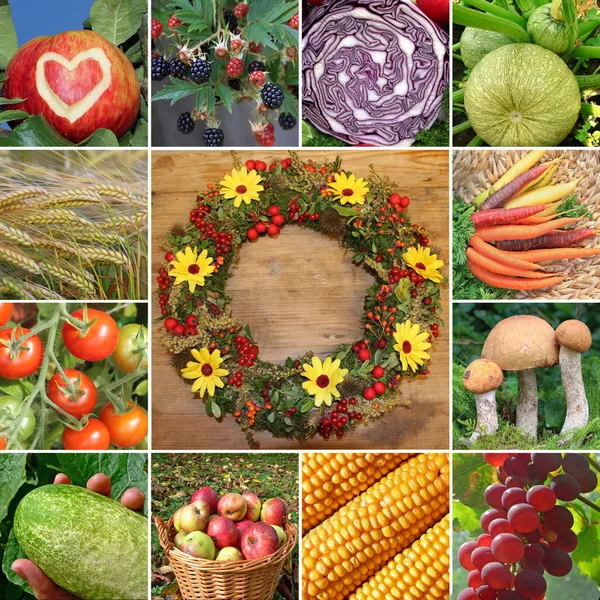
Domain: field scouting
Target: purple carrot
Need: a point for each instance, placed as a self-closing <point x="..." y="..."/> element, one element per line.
<point x="554" y="239"/>
<point x="504" y="216"/>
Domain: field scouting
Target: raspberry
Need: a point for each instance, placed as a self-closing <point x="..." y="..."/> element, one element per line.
<point x="157" y="29"/>
<point x="235" y="84"/>
<point x="257" y="78"/>
<point x="294" y="21"/>
<point x="230" y="19"/>
<point x="266" y="137"/>
<point x="236" y="45"/>
<point x="159" y="69"/>
<point x="272" y="96"/>
<point x="185" y="123"/>
<point x="241" y="10"/>
<point x="174" y="21"/>
<point x="235" y="67"/>
<point x="286" y="121"/>
<point x="221" y="51"/>
<point x="256" y="65"/>
<point x="177" y="68"/>
<point x="200" y="72"/>
<point x="213" y="137"/>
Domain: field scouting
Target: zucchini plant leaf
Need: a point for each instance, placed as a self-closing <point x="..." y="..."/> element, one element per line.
<point x="12" y="477"/>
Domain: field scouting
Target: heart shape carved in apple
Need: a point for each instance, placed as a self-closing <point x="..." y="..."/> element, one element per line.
<point x="78" y="109"/>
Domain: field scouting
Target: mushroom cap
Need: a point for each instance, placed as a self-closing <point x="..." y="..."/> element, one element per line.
<point x="482" y="376"/>
<point x="520" y="343"/>
<point x="575" y="335"/>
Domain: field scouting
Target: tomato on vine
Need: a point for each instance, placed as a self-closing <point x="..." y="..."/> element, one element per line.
<point x="95" y="343"/>
<point x="2" y="443"/>
<point x="28" y="359"/>
<point x="127" y="429"/>
<point x="94" y="436"/>
<point x="10" y="409"/>
<point x="82" y="401"/>
<point x="133" y="340"/>
<point x="6" y="310"/>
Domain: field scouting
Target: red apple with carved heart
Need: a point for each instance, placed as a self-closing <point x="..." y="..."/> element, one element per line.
<point x="78" y="81"/>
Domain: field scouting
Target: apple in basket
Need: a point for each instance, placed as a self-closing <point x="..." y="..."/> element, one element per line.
<point x="199" y="545"/>
<point x="208" y="495"/>
<point x="253" y="505"/>
<point x="232" y="506"/>
<point x="223" y="532"/>
<point x="179" y="539"/>
<point x="281" y="534"/>
<point x="241" y="526"/>
<point x="192" y="517"/>
<point x="273" y="511"/>
<point x="229" y="553"/>
<point x="259" y="541"/>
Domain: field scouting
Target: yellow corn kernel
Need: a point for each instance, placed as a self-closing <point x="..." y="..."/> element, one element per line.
<point x="420" y="572"/>
<point x="331" y="480"/>
<point x="387" y="518"/>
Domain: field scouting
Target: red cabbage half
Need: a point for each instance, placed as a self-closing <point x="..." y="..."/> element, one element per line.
<point x="374" y="71"/>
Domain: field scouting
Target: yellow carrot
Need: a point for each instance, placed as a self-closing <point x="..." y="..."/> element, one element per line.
<point x="551" y="209"/>
<point x="542" y="181"/>
<point x="519" y="167"/>
<point x="544" y="195"/>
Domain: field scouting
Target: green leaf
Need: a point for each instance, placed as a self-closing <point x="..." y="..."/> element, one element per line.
<point x="201" y="99"/>
<point x="259" y="33"/>
<point x="8" y="35"/>
<point x="271" y="417"/>
<point x="35" y="131"/>
<point x="101" y="137"/>
<point x="140" y="135"/>
<point x="307" y="406"/>
<point x="117" y="20"/>
<point x="12" y="477"/>
<point x="5" y="101"/>
<point x="178" y="90"/>
<point x="210" y="100"/>
<point x="471" y="475"/>
<point x="587" y="552"/>
<point x="12" y="552"/>
<point x="225" y="94"/>
<point x="466" y="516"/>
<point x="343" y="211"/>
<point x="216" y="410"/>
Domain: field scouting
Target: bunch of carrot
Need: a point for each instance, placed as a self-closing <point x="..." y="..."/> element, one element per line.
<point x="520" y="215"/>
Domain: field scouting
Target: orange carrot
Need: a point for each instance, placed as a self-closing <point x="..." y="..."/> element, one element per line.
<point x="503" y="216"/>
<point x="501" y="256"/>
<point x="521" y="232"/>
<point x="554" y="254"/>
<point x="511" y="283"/>
<point x="536" y="220"/>
<point x="554" y="239"/>
<point x="496" y="267"/>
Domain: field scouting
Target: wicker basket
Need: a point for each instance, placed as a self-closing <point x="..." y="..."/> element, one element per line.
<point x="201" y="579"/>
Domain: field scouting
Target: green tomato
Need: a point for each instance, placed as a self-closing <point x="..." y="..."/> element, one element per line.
<point x="132" y="337"/>
<point x="10" y="408"/>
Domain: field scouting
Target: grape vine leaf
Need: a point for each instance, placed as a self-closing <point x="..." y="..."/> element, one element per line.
<point x="117" y="20"/>
<point x="587" y="552"/>
<point x="8" y="35"/>
<point x="12" y="477"/>
<point x="471" y="475"/>
<point x="466" y="516"/>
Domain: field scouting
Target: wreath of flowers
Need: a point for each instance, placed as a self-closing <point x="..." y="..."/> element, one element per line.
<point x="305" y="396"/>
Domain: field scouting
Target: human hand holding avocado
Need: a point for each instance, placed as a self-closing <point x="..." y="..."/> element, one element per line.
<point x="43" y="587"/>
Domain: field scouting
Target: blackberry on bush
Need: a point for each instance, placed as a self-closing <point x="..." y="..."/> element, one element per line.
<point x="177" y="68"/>
<point x="200" y="72"/>
<point x="286" y="121"/>
<point x="159" y="69"/>
<point x="185" y="123"/>
<point x="256" y="65"/>
<point x="235" y="84"/>
<point x="230" y="19"/>
<point x="272" y="96"/>
<point x="213" y="137"/>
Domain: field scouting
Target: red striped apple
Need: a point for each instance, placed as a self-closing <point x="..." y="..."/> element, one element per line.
<point x="78" y="81"/>
<point x="253" y="505"/>
<point x="241" y="526"/>
<point x="259" y="541"/>
<point x="273" y="511"/>
<point x="208" y="495"/>
<point x="223" y="532"/>
<point x="232" y="506"/>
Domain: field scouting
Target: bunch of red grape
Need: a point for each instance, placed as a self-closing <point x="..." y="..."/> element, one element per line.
<point x="526" y="533"/>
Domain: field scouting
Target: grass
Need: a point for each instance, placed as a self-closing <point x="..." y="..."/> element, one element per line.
<point x="175" y="477"/>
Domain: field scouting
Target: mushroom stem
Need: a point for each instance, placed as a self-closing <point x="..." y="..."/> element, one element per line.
<point x="487" y="416"/>
<point x="527" y="403"/>
<point x="578" y="411"/>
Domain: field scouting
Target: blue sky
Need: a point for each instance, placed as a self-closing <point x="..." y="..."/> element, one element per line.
<point x="33" y="18"/>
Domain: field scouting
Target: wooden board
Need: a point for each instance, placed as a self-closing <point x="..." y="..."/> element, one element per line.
<point x="300" y="292"/>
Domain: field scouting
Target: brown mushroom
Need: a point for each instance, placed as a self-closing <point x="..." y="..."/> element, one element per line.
<point x="574" y="338"/>
<point x="522" y="344"/>
<point x="483" y="377"/>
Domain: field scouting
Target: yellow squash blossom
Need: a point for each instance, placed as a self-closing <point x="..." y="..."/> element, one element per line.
<point x="242" y="185"/>
<point x="206" y="371"/>
<point x="411" y="345"/>
<point x="323" y="379"/>
<point x="191" y="267"/>
<point x="424" y="263"/>
<point x="349" y="190"/>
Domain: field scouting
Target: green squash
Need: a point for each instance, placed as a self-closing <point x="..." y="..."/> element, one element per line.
<point x="545" y="31"/>
<point x="86" y="543"/>
<point x="522" y="95"/>
<point x="476" y="43"/>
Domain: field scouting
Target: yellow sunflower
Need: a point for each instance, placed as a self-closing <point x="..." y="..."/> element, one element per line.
<point x="242" y="185"/>
<point x="206" y="371"/>
<point x="424" y="263"/>
<point x="411" y="345"/>
<point x="349" y="189"/>
<point x="323" y="379"/>
<point x="191" y="267"/>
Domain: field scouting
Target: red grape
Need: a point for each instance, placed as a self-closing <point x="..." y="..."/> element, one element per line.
<point x="536" y="474"/>
<point x="489" y="515"/>
<point x="497" y="575"/>
<point x="485" y="539"/>
<point x="575" y="465"/>
<point x="508" y="548"/>
<point x="482" y="556"/>
<point x="534" y="552"/>
<point x="547" y="461"/>
<point x="485" y="592"/>
<point x="501" y="474"/>
<point x="588" y="482"/>
<point x="496" y="459"/>
<point x="474" y="579"/>
<point x="514" y="465"/>
<point x="523" y="517"/>
<point x="541" y="497"/>
<point x="514" y="481"/>
<point x="565" y="487"/>
<point x="498" y="526"/>
<point x="558" y="517"/>
<point x="530" y="584"/>
<point x="464" y="555"/>
<point x="493" y="495"/>
<point x="532" y="565"/>
<point x="532" y="536"/>
<point x="467" y="594"/>
<point x="513" y="496"/>
<point x="565" y="540"/>
<point x="557" y="562"/>
<point x="510" y="595"/>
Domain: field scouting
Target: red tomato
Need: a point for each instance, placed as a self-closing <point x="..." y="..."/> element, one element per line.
<point x="27" y="361"/>
<point x="84" y="399"/>
<point x="94" y="436"/>
<point x="128" y="429"/>
<point x="2" y="443"/>
<point x="436" y="10"/>
<point x="100" y="340"/>
<point x="6" y="309"/>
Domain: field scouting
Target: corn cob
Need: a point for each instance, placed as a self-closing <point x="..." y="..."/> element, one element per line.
<point x="347" y="548"/>
<point x="331" y="480"/>
<point x="421" y="572"/>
